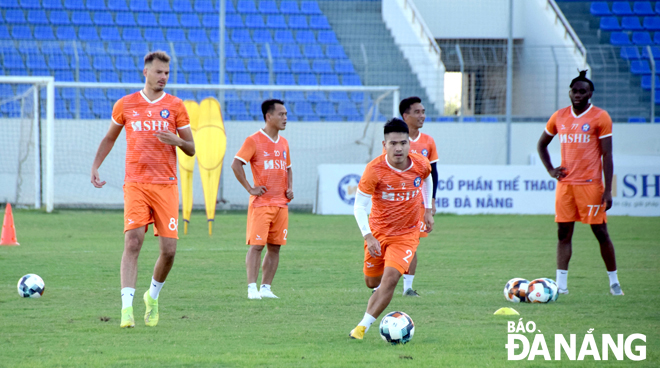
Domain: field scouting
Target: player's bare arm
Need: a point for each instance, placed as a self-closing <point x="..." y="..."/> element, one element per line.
<point x="184" y="140"/>
<point x="289" y="189"/>
<point x="608" y="170"/>
<point x="239" y="172"/>
<point x="104" y="149"/>
<point x="542" y="147"/>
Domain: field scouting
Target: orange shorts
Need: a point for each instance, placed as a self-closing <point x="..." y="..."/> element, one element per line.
<point x="396" y="251"/>
<point x="267" y="225"/>
<point x="156" y="204"/>
<point x="580" y="203"/>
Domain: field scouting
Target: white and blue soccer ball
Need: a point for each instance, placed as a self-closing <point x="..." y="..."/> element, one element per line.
<point x="541" y="291"/>
<point x="516" y="290"/>
<point x="31" y="286"/>
<point x="554" y="287"/>
<point x="397" y="328"/>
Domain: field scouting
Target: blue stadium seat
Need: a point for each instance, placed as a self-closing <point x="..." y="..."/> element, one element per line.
<point x="15" y="16"/>
<point x="275" y="22"/>
<point x="289" y="7"/>
<point x="250" y="96"/>
<point x="351" y="80"/>
<point x="284" y="37"/>
<point x="657" y="7"/>
<point x="327" y="37"/>
<point x="28" y="47"/>
<point x="125" y="19"/>
<point x="643" y="8"/>
<point x="622" y="8"/>
<point x="637" y="119"/>
<point x="132" y="77"/>
<point x="280" y="66"/>
<point x="125" y="63"/>
<point x="337" y="52"/>
<point x="338" y="96"/>
<point x="235" y="107"/>
<point x="169" y="20"/>
<point x="88" y="34"/>
<point x="262" y="36"/>
<point x="235" y="65"/>
<point x="183" y="49"/>
<point x="294" y="96"/>
<point x="37" y="17"/>
<point x="631" y="24"/>
<point x="147" y="20"/>
<point x="655" y="50"/>
<point x="310" y="7"/>
<point x="87" y="76"/>
<point x="291" y="51"/>
<point x="322" y="66"/>
<point x="191" y="65"/>
<point x="211" y="64"/>
<point x="298" y="22"/>
<point x="344" y="66"/>
<point x="303" y="108"/>
<point x="185" y="94"/>
<point x="44" y="33"/>
<point x="110" y="34"/>
<point x="358" y="97"/>
<point x="109" y="76"/>
<point x="30" y="4"/>
<point x="65" y="33"/>
<point x="4" y="32"/>
<point x="610" y="24"/>
<point x="83" y="63"/>
<point x="160" y="6"/>
<point x="81" y="18"/>
<point x="132" y="34"/>
<point x="117" y="48"/>
<point x="13" y="61"/>
<point x="261" y="78"/>
<point x="11" y="109"/>
<point x="190" y="20"/>
<point x="600" y="9"/>
<point x="646" y="82"/>
<point x="325" y="109"/>
<point x="300" y="66"/>
<point x="165" y="46"/>
<point x="139" y="5"/>
<point x="640" y="67"/>
<point x="231" y="21"/>
<point x="138" y="49"/>
<point x="10" y="4"/>
<point x="58" y="62"/>
<point x="154" y="35"/>
<point x="103" y="63"/>
<point x="329" y="80"/>
<point x="204" y="6"/>
<point x="117" y="5"/>
<point x="96" y="5"/>
<point x="347" y="109"/>
<point x="248" y="50"/>
<point x="619" y="39"/>
<point x="21" y="33"/>
<point x="103" y="18"/>
<point x="303" y="37"/>
<point x="102" y="109"/>
<point x="176" y="35"/>
<point x="240" y="36"/>
<point x="319" y="22"/>
<point x="254" y="21"/>
<point x="656" y="38"/>
<point x="268" y="7"/>
<point x="256" y="66"/>
<point x="94" y="48"/>
<point x="59" y="17"/>
<point x="316" y="96"/>
<point x="197" y="35"/>
<point x="313" y="51"/>
<point x="285" y="79"/>
<point x="630" y="53"/>
<point x="246" y="6"/>
<point x="182" y="6"/>
<point x="198" y="78"/>
<point x="641" y="38"/>
<point x="52" y="4"/>
<point x="241" y="78"/>
<point x="206" y="50"/>
<point x="652" y="23"/>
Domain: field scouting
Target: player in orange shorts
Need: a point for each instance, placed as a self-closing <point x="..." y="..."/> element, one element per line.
<point x="585" y="135"/>
<point x="268" y="210"/>
<point x="397" y="183"/>
<point x="152" y="119"/>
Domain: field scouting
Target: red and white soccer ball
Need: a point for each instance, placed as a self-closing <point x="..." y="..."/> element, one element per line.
<point x="542" y="291"/>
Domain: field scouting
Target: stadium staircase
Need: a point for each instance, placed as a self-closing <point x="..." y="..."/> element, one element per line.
<point x="37" y="37"/>
<point x="616" y="35"/>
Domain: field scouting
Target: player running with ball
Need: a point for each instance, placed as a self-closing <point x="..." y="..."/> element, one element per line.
<point x="396" y="183"/>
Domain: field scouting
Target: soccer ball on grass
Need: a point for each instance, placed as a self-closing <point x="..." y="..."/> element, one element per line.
<point x="542" y="291"/>
<point x="31" y="286"/>
<point x="397" y="328"/>
<point x="516" y="290"/>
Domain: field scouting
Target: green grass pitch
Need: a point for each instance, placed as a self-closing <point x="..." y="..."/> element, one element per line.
<point x="207" y="320"/>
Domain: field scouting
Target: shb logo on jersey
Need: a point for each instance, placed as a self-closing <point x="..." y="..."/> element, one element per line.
<point x="585" y="128"/>
<point x="418" y="181"/>
<point x="425" y="152"/>
<point x="164" y="114"/>
<point x="348" y="187"/>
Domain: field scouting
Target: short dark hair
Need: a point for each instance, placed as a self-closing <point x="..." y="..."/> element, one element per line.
<point x="159" y="54"/>
<point x="395" y="125"/>
<point x="404" y="106"/>
<point x="269" y="105"/>
<point x="583" y="78"/>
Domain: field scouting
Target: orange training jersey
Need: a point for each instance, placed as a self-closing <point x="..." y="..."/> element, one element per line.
<point x="396" y="195"/>
<point x="425" y="146"/>
<point x="148" y="160"/>
<point x="580" y="137"/>
<point x="269" y="161"/>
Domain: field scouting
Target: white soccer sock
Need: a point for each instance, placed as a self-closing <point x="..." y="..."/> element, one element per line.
<point x="252" y="286"/>
<point x="367" y="321"/>
<point x="265" y="286"/>
<point x="155" y="287"/>
<point x="614" y="279"/>
<point x="562" y="279"/>
<point x="127" y="297"/>
<point x="407" y="281"/>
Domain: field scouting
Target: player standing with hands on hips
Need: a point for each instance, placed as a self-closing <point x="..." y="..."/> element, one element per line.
<point x="585" y="135"/>
<point x="151" y="195"/>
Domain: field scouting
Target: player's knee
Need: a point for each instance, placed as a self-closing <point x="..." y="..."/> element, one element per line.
<point x="132" y="244"/>
<point x="168" y="252"/>
<point x="273" y="248"/>
<point x="372" y="282"/>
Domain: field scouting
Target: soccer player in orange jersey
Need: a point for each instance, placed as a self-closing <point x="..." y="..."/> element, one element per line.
<point x="396" y="183"/>
<point x="585" y="135"/>
<point x="414" y="114"/>
<point x="268" y="212"/>
<point x="152" y="119"/>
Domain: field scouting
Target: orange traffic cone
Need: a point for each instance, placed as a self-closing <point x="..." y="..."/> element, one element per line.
<point x="8" y="231"/>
